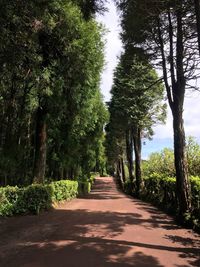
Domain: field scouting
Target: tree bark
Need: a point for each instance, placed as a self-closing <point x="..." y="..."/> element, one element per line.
<point x="182" y="183"/>
<point x="176" y="94"/>
<point x="123" y="170"/>
<point x="40" y="146"/>
<point x="197" y="13"/>
<point x="119" y="172"/>
<point x="137" y="150"/>
<point x="129" y="153"/>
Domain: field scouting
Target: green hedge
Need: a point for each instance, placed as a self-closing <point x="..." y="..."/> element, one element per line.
<point x="31" y="199"/>
<point x="85" y="184"/>
<point x="84" y="187"/>
<point x="34" y="198"/>
<point x="161" y="191"/>
<point x="64" y="190"/>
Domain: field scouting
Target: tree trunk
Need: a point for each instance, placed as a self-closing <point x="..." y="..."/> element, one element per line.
<point x="123" y="170"/>
<point x="40" y="147"/>
<point x="178" y="90"/>
<point x="119" y="172"/>
<point x="176" y="94"/>
<point x="129" y="153"/>
<point x="182" y="184"/>
<point x="138" y="149"/>
<point x="197" y="13"/>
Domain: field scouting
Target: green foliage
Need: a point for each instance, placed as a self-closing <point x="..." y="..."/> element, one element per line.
<point x="33" y="199"/>
<point x="136" y="105"/>
<point x="161" y="190"/>
<point x="193" y="156"/>
<point x="64" y="190"/>
<point x="36" y="197"/>
<point x="161" y="163"/>
<point x="84" y="187"/>
<point x="85" y="183"/>
<point x="29" y="199"/>
<point x="128" y="187"/>
<point x="51" y="58"/>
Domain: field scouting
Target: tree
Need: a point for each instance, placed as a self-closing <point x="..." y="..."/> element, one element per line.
<point x="197" y="13"/>
<point x="136" y="104"/>
<point x="164" y="29"/>
<point x="50" y="76"/>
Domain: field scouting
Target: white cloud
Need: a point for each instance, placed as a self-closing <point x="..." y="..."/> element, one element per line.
<point x="191" y="118"/>
<point x="113" y="47"/>
<point x="165" y="130"/>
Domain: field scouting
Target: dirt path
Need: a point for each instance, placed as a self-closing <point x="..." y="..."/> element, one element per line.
<point x="103" y="230"/>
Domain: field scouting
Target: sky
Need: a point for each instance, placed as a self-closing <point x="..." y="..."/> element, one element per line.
<point x="163" y="133"/>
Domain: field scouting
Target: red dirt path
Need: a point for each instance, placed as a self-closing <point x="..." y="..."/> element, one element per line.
<point x="105" y="229"/>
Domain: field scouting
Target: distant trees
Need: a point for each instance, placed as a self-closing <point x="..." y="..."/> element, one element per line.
<point x="135" y="106"/>
<point x="162" y="163"/>
<point x="166" y="32"/>
<point x="51" y="56"/>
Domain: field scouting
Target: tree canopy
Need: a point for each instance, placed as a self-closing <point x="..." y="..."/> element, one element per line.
<point x="51" y="55"/>
<point x="136" y="105"/>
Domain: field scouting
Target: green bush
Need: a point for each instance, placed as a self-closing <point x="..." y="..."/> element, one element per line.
<point x="162" y="191"/>
<point x="195" y="187"/>
<point x="84" y="187"/>
<point x="85" y="183"/>
<point x="5" y="205"/>
<point x="163" y="162"/>
<point x="31" y="199"/>
<point x="92" y="179"/>
<point x="160" y="162"/>
<point x="34" y="198"/>
<point x="64" y="190"/>
<point x="128" y="187"/>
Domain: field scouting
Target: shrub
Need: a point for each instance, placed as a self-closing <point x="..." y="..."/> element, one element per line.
<point x="84" y="187"/>
<point x="195" y="187"/>
<point x="64" y="190"/>
<point x="37" y="197"/>
<point x="85" y="183"/>
<point x="128" y="187"/>
<point x="161" y="191"/>
<point x="163" y="162"/>
<point x="34" y="198"/>
<point x="5" y="205"/>
<point x="160" y="163"/>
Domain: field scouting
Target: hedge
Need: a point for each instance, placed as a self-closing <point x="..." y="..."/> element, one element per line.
<point x="161" y="191"/>
<point x="85" y="184"/>
<point x="64" y="190"/>
<point x="31" y="199"/>
<point x="34" y="198"/>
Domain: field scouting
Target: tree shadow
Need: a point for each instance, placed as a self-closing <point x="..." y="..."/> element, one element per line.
<point x="92" y="238"/>
<point x="103" y="190"/>
<point x="81" y="238"/>
<point x="84" y="253"/>
<point x="186" y="241"/>
<point x="159" y="218"/>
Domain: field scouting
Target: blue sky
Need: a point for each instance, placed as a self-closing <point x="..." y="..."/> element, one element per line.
<point x="163" y="133"/>
<point x="157" y="144"/>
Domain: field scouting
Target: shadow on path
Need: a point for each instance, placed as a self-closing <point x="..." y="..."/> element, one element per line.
<point x="99" y="233"/>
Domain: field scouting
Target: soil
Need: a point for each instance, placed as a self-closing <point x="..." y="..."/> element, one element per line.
<point x="104" y="229"/>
